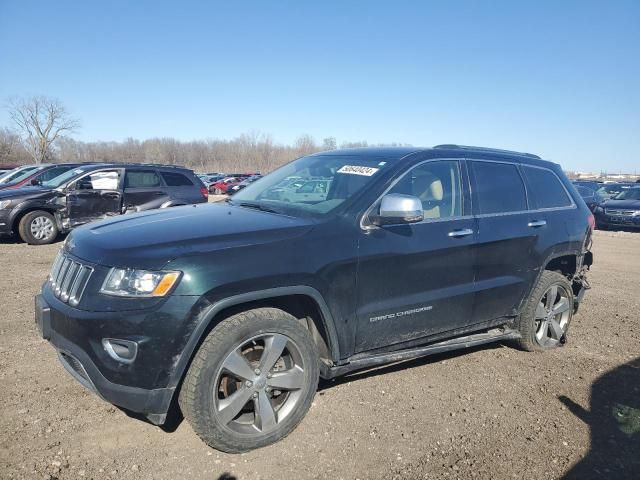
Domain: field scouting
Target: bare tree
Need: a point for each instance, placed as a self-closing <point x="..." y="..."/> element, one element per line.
<point x="42" y="121"/>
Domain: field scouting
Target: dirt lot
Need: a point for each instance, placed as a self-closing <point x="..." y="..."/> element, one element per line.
<point x="492" y="412"/>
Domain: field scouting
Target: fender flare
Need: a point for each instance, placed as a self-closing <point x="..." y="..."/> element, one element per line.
<point x="25" y="207"/>
<point x="548" y="259"/>
<point x="200" y="329"/>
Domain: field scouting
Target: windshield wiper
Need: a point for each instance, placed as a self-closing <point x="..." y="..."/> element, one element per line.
<point x="257" y="206"/>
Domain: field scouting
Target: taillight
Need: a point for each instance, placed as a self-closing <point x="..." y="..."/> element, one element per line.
<point x="204" y="192"/>
<point x="592" y="221"/>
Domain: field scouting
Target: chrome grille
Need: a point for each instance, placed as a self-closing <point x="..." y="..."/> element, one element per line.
<point x="625" y="213"/>
<point x="68" y="279"/>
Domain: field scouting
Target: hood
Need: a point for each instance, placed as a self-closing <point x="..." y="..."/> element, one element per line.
<point x="622" y="204"/>
<point x="24" y="193"/>
<point x="151" y="239"/>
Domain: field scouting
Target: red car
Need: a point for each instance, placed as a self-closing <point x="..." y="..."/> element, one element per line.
<point x="38" y="175"/>
<point x="221" y="187"/>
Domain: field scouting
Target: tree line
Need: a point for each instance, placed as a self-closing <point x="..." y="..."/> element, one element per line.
<point x="42" y="129"/>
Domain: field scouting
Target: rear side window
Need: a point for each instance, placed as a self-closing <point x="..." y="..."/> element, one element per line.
<point x="545" y="189"/>
<point x="176" y="179"/>
<point x="141" y="179"/>
<point x="498" y="188"/>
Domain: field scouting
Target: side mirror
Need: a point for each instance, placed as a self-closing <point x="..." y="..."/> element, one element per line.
<point x="398" y="209"/>
<point x="35" y="182"/>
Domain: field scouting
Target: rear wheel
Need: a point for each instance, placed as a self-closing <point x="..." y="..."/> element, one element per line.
<point x="252" y="380"/>
<point x="38" y="228"/>
<point x="545" y="319"/>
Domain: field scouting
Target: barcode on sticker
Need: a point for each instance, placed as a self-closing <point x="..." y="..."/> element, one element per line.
<point x="357" y="170"/>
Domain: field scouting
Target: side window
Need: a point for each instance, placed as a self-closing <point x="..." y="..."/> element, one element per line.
<point x="498" y="188"/>
<point x="438" y="185"/>
<point x="141" y="179"/>
<point x="52" y="173"/>
<point x="105" y="180"/>
<point x="176" y="180"/>
<point x="545" y="189"/>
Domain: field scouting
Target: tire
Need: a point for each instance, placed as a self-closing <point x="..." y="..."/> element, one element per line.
<point x="230" y="396"/>
<point x="38" y="228"/>
<point x="540" y="328"/>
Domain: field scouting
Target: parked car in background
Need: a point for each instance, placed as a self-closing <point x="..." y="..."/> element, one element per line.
<point x="609" y="190"/>
<point x="306" y="191"/>
<point x="245" y="183"/>
<point x="93" y="192"/>
<point x="38" y="175"/>
<point x="221" y="187"/>
<point x="621" y="211"/>
<point x="233" y="311"/>
<point x="590" y="196"/>
<point x="15" y="173"/>
<point x="593" y="184"/>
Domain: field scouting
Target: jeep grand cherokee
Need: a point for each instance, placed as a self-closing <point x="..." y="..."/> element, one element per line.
<point x="236" y="309"/>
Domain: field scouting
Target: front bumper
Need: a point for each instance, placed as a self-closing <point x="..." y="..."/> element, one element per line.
<point x="5" y="222"/>
<point x="622" y="221"/>
<point x="145" y="386"/>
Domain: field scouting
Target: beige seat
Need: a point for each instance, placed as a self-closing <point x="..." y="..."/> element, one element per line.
<point x="428" y="188"/>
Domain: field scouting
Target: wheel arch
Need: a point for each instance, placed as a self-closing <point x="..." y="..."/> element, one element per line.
<point x="18" y="215"/>
<point x="565" y="263"/>
<point x="303" y="302"/>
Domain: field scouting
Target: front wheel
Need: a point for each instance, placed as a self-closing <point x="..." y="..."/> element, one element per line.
<point x="252" y="380"/>
<point x="38" y="228"/>
<point x="545" y="319"/>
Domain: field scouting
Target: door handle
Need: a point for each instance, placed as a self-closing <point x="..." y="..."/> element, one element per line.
<point x="463" y="232"/>
<point x="537" y="223"/>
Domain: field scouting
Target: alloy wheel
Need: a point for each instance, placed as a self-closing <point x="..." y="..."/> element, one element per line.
<point x="552" y="316"/>
<point x="259" y="384"/>
<point x="41" y="228"/>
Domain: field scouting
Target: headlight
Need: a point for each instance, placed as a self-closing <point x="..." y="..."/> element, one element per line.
<point x="125" y="282"/>
<point x="5" y="204"/>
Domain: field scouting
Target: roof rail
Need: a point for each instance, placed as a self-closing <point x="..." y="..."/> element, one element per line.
<point x="485" y="149"/>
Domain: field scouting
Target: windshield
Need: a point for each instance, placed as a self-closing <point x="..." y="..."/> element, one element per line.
<point x="24" y="175"/>
<point x="314" y="185"/>
<point x="62" y="179"/>
<point x="631" y="194"/>
<point x="15" y="174"/>
<point x="612" y="189"/>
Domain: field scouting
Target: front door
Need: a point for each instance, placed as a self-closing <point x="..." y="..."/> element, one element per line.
<point x="94" y="196"/>
<point x="417" y="280"/>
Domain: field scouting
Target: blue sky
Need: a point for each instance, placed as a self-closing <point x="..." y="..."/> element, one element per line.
<point x="561" y="79"/>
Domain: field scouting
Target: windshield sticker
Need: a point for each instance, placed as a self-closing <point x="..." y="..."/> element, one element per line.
<point x="357" y="170"/>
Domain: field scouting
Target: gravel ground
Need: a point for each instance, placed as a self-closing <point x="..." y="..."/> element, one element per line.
<point x="492" y="412"/>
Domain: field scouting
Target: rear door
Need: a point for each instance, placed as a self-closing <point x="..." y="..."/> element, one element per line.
<point x="508" y="252"/>
<point x="416" y="280"/>
<point x="93" y="196"/>
<point x="143" y="189"/>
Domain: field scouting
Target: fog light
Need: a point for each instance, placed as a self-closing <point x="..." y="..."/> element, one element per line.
<point x="123" y="351"/>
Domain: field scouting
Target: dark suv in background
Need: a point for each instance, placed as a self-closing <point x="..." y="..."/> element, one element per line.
<point x="236" y="309"/>
<point x="92" y="192"/>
